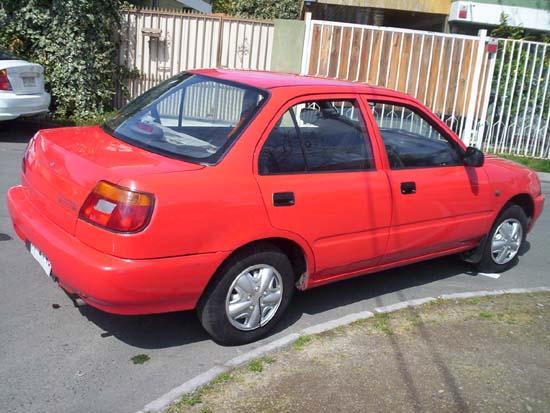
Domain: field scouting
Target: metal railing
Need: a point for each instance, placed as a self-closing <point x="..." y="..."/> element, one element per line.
<point x="497" y="101"/>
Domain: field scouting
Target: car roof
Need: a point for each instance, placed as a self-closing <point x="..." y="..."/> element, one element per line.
<point x="273" y="80"/>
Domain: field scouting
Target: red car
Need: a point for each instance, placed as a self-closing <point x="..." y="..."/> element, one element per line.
<point x="224" y="190"/>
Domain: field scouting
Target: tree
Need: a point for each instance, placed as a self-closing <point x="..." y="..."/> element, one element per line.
<point x="260" y="9"/>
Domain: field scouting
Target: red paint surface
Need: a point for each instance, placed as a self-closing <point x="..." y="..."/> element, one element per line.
<point x="346" y="224"/>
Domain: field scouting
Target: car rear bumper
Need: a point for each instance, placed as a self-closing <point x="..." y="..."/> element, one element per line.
<point x="113" y="284"/>
<point x="13" y="106"/>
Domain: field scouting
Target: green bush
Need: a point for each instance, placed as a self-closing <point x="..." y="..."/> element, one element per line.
<point x="260" y="9"/>
<point x="75" y="41"/>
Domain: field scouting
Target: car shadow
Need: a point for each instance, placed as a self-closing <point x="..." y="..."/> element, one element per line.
<point x="21" y="130"/>
<point x="176" y="329"/>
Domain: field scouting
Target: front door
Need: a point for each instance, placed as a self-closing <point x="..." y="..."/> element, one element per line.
<point x="439" y="203"/>
<point x="318" y="179"/>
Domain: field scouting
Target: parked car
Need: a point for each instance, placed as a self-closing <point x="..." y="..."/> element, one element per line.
<point x="21" y="87"/>
<point x="223" y="191"/>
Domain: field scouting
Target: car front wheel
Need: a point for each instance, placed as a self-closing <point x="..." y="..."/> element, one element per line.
<point x="247" y="296"/>
<point x="505" y="240"/>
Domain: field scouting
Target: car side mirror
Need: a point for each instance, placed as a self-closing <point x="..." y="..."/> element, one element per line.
<point x="473" y="157"/>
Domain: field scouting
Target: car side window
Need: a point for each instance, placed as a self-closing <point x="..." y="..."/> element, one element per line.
<point x="282" y="152"/>
<point x="411" y="141"/>
<point x="317" y="136"/>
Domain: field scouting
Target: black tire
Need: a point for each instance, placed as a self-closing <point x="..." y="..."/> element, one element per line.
<point x="487" y="264"/>
<point x="211" y="309"/>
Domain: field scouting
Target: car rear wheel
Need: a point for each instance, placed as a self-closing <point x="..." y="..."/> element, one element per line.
<point x="505" y="241"/>
<point x="248" y="295"/>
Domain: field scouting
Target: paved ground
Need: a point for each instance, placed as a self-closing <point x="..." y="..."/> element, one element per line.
<point x="67" y="359"/>
<point x="481" y="354"/>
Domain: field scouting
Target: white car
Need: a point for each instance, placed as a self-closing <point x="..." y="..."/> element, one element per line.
<point x="21" y="88"/>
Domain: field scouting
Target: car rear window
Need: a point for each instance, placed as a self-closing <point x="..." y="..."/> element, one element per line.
<point x="189" y="116"/>
<point x="6" y="55"/>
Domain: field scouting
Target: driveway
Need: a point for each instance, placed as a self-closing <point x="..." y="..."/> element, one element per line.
<point x="56" y="358"/>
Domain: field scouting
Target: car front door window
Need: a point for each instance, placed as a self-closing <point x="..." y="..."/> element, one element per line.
<point x="411" y="141"/>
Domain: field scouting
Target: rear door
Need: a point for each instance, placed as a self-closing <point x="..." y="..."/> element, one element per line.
<point x="318" y="178"/>
<point x="438" y="203"/>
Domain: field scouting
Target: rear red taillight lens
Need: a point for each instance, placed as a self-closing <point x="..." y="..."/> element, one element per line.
<point x="4" y="81"/>
<point x="117" y="208"/>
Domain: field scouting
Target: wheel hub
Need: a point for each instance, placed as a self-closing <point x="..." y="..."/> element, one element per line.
<point x="254" y="297"/>
<point x="506" y="241"/>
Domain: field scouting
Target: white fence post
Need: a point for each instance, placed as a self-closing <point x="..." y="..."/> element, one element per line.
<point x="307" y="44"/>
<point x="467" y="135"/>
<point x="486" y="96"/>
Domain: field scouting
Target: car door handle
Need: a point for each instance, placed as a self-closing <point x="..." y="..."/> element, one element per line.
<point x="283" y="199"/>
<point x="408" y="188"/>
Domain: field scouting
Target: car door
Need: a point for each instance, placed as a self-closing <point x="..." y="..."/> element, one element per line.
<point x="439" y="204"/>
<point x="317" y="174"/>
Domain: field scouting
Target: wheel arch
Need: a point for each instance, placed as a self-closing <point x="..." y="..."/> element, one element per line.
<point x="300" y="256"/>
<point x="524" y="201"/>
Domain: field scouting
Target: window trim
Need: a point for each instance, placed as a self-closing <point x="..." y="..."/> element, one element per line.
<point x="303" y="99"/>
<point x="426" y="115"/>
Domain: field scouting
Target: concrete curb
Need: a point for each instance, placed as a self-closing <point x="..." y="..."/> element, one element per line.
<point x="203" y="379"/>
<point x="544" y="177"/>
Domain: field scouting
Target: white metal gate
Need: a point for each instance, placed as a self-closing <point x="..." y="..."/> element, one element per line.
<point x="497" y="101"/>
<point x="518" y="113"/>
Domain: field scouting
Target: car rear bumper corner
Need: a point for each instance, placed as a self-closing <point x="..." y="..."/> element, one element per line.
<point x="113" y="284"/>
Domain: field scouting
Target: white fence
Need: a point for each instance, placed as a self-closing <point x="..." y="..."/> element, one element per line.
<point x="518" y="114"/>
<point x="158" y="44"/>
<point x="498" y="101"/>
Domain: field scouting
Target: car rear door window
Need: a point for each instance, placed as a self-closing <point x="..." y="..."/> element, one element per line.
<point x="282" y="152"/>
<point x="318" y="136"/>
<point x="411" y="140"/>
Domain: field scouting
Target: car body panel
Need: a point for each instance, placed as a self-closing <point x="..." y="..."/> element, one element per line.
<point x="24" y="99"/>
<point x="354" y="207"/>
<point x="345" y="224"/>
<point x="451" y="208"/>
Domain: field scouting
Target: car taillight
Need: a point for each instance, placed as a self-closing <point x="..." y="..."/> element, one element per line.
<point x="4" y="81"/>
<point x="117" y="208"/>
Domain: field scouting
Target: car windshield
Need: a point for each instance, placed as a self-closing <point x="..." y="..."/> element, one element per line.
<point x="192" y="117"/>
<point x="5" y="55"/>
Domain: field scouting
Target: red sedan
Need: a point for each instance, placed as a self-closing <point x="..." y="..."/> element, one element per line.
<point x="222" y="191"/>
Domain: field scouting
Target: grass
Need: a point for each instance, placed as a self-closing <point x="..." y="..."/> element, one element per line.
<point x="222" y="378"/>
<point x="301" y="342"/>
<point x="507" y="309"/>
<point x="140" y="359"/>
<point x="192" y="399"/>
<point x="381" y="323"/>
<point x="540" y="165"/>
<point x="257" y="365"/>
<point x="486" y="314"/>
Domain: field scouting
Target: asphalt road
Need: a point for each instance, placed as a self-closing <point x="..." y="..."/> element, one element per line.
<point x="67" y="359"/>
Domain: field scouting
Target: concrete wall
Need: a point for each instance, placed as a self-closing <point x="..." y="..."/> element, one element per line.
<point x="288" y="45"/>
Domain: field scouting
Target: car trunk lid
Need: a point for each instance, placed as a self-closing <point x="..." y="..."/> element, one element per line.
<point x="25" y="78"/>
<point x="64" y="165"/>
